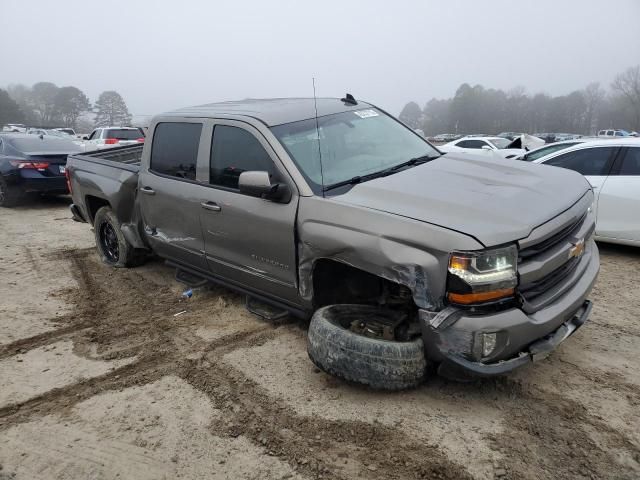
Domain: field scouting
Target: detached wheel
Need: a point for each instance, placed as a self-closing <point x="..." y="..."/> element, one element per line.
<point x="380" y="364"/>
<point x="9" y="196"/>
<point x="113" y="247"/>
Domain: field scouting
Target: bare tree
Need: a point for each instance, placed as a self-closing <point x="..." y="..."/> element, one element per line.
<point x="627" y="84"/>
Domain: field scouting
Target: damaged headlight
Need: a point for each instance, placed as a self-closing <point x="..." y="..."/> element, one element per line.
<point x="483" y="276"/>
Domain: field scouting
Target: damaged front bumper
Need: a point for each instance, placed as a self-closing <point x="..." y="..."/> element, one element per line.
<point x="476" y="344"/>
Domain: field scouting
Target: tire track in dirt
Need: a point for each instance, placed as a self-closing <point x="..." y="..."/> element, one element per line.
<point x="555" y="432"/>
<point x="121" y="313"/>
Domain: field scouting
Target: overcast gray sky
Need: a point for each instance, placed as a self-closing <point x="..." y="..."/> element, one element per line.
<point x="165" y="54"/>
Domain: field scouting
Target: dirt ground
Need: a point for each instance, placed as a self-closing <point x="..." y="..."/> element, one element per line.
<point x="99" y="379"/>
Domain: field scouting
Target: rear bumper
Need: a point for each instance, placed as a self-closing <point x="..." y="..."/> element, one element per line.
<point x="454" y="338"/>
<point x="45" y="184"/>
<point x="34" y="181"/>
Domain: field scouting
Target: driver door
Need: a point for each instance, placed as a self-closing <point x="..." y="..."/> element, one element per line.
<point x="248" y="240"/>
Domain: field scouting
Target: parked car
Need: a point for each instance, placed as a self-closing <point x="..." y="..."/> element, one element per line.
<point x="14" y="127"/>
<point x="32" y="164"/>
<point x="561" y="137"/>
<point x="399" y="255"/>
<point x="56" y="133"/>
<point x="445" y="137"/>
<point x="68" y="131"/>
<point x="613" y="133"/>
<point x="612" y="167"/>
<point x="109" y="137"/>
<point x="488" y="145"/>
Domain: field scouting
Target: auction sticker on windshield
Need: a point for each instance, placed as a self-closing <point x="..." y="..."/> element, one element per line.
<point x="366" y="113"/>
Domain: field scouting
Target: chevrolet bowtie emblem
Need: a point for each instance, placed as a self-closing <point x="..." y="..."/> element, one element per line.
<point x="577" y="249"/>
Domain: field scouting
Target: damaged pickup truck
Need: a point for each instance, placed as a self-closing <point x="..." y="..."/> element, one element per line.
<point x="407" y="261"/>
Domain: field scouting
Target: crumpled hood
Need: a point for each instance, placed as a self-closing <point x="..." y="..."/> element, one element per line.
<point x="495" y="201"/>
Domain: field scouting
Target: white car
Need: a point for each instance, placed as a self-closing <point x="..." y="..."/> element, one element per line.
<point x="612" y="167"/>
<point x="56" y="133"/>
<point x="109" y="137"/>
<point x="14" y="127"/>
<point x="489" y="145"/>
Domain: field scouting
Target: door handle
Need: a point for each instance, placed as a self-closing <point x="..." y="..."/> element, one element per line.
<point x="213" y="206"/>
<point x="148" y="190"/>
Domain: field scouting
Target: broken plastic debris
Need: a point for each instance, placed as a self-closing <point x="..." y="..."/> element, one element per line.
<point x="187" y="294"/>
<point x="179" y="313"/>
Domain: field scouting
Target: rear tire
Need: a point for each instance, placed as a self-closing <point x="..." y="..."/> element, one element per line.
<point x="113" y="247"/>
<point x="380" y="364"/>
<point x="10" y="196"/>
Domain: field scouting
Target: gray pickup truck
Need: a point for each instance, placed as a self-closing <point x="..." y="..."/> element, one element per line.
<point x="406" y="260"/>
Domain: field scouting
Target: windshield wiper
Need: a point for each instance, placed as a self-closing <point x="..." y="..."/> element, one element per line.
<point x="382" y="173"/>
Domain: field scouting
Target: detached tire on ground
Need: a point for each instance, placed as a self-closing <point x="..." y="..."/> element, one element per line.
<point x="113" y="247"/>
<point x="380" y="364"/>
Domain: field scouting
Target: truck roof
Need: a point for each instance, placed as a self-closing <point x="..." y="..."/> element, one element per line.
<point x="272" y="111"/>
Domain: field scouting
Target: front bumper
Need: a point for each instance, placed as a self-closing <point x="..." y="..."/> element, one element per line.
<point x="453" y="337"/>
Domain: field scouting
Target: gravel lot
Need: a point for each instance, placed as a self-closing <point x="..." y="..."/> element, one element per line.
<point x="99" y="380"/>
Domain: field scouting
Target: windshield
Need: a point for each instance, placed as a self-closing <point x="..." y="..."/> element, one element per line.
<point x="500" y="142"/>
<point x="353" y="143"/>
<point x="125" y="134"/>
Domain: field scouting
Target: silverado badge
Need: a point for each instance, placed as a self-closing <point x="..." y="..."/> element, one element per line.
<point x="577" y="249"/>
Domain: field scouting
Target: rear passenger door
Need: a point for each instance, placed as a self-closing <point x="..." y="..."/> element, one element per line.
<point x="619" y="202"/>
<point x="170" y="195"/>
<point x="248" y="240"/>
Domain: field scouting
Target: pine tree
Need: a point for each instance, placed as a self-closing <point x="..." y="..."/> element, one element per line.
<point x="111" y="110"/>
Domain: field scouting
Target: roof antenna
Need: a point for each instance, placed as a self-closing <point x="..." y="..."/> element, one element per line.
<point x="315" y="105"/>
<point x="349" y="99"/>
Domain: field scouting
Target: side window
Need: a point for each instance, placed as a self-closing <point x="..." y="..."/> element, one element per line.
<point x="631" y="162"/>
<point x="235" y="150"/>
<point x="174" y="150"/>
<point x="587" y="161"/>
<point x="471" y="144"/>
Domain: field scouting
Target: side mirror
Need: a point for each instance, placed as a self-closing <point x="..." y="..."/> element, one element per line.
<point x="258" y="184"/>
<point x="487" y="147"/>
<point x="85" y="138"/>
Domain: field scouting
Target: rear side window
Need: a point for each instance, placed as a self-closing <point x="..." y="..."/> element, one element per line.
<point x="631" y="162"/>
<point x="587" y="161"/>
<point x="125" y="134"/>
<point x="174" y="150"/>
<point x="235" y="150"/>
<point x="547" y="151"/>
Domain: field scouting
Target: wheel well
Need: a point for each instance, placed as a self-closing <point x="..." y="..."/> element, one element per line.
<point x="336" y="282"/>
<point x="94" y="204"/>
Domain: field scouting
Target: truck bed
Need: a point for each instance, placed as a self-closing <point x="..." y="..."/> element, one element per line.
<point x="125" y="158"/>
<point x="105" y="177"/>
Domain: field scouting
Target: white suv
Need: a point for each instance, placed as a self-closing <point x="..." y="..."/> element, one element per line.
<point x="613" y="133"/>
<point x="109" y="137"/>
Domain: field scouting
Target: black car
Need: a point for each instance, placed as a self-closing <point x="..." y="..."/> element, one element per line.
<point x="32" y="164"/>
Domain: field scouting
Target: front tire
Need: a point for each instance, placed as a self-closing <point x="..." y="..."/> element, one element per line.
<point x="380" y="364"/>
<point x="113" y="247"/>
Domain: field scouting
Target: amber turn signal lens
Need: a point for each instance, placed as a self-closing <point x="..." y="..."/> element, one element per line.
<point x="471" y="298"/>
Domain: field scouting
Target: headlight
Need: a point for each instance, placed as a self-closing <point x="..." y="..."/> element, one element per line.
<point x="483" y="276"/>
